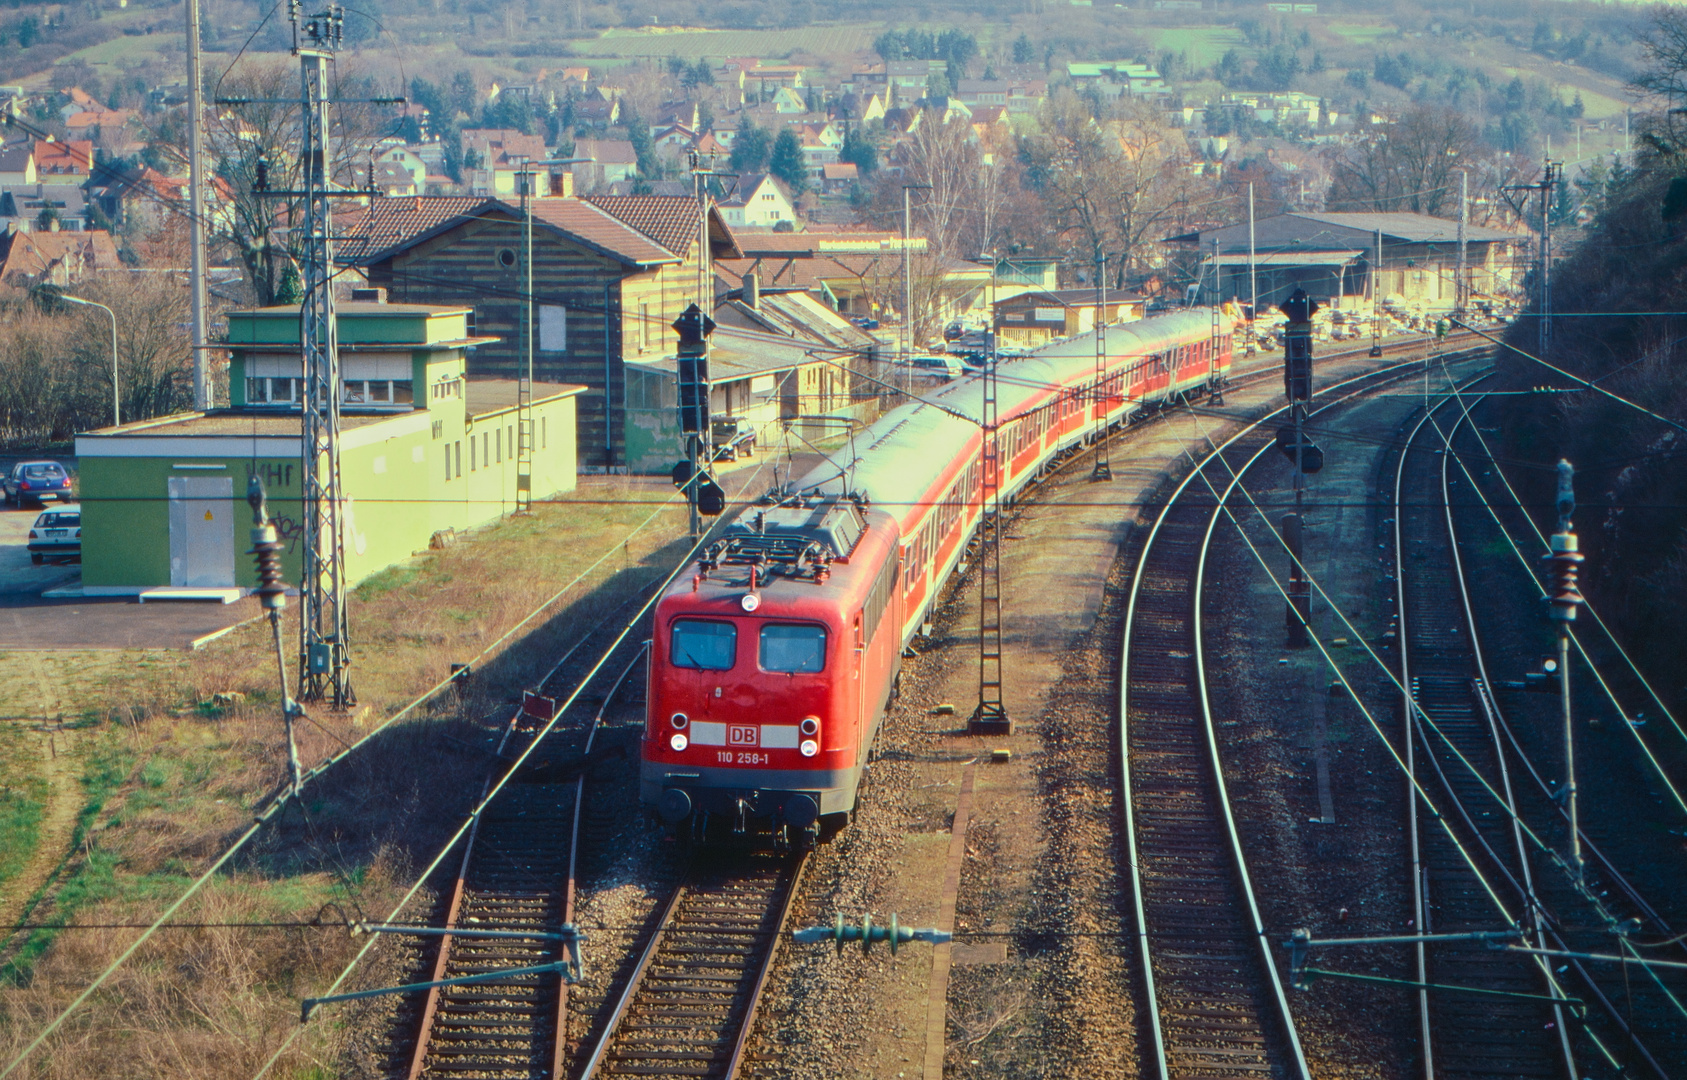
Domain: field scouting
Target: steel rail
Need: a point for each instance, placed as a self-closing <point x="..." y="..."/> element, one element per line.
<point x="757" y="976"/>
<point x="1377" y="376"/>
<point x="1413" y="713"/>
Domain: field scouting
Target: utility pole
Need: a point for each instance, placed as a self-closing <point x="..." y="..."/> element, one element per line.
<point x="1253" y="277"/>
<point x="907" y="284"/>
<point x="1461" y="288"/>
<point x="325" y="640"/>
<point x="1103" y="469"/>
<point x="524" y="380"/>
<point x="1564" y="598"/>
<point x="1215" y="335"/>
<point x="1376" y="310"/>
<point x="1546" y="186"/>
<point x="196" y="219"/>
<point x="990" y="717"/>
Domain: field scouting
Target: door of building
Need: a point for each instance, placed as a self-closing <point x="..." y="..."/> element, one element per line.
<point x="202" y="532"/>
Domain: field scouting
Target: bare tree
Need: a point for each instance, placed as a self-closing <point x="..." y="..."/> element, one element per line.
<point x="1410" y="164"/>
<point x="266" y="133"/>
<point x="1112" y="185"/>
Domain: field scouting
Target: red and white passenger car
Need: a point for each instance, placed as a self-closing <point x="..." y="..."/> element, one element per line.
<point x="772" y="664"/>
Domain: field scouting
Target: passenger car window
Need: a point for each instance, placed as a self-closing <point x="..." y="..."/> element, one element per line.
<point x="791" y="648"/>
<point x="42" y="472"/>
<point x="706" y="645"/>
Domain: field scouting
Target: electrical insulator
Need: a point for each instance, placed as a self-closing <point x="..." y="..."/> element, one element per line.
<point x="1562" y="594"/>
<point x="267" y="546"/>
<point x="867" y="933"/>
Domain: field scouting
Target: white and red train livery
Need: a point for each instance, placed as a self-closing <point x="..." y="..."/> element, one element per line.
<point x="772" y="664"/>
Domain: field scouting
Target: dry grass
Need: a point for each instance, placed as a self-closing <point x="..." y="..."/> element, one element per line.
<point x="168" y="778"/>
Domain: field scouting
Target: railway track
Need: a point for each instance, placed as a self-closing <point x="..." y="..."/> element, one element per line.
<point x="690" y="1005"/>
<point x="1471" y="870"/>
<point x="1632" y="1027"/>
<point x="1216" y="1004"/>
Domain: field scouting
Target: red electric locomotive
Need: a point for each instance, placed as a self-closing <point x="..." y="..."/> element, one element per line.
<point x="770" y="670"/>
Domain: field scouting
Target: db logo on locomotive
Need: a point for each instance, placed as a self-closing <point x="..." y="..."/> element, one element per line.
<point x="743" y="735"/>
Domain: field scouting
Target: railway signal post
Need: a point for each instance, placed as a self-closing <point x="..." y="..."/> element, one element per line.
<point x="694" y="329"/>
<point x="1563" y="598"/>
<point x="1297" y="387"/>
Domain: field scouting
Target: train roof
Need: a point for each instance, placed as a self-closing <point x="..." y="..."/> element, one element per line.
<point x="879" y="462"/>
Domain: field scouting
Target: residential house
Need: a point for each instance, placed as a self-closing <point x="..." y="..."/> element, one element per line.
<point x="610" y="275"/>
<point x="60" y="160"/>
<point x="839" y="177"/>
<point x="54" y="258"/>
<point x="26" y="204"/>
<point x="501" y="153"/>
<point x="907" y="79"/>
<point x="597" y="112"/>
<point x="393" y="180"/>
<point x="787" y="101"/>
<point x="17" y="164"/>
<point x="650" y="187"/>
<point x="611" y="160"/>
<point x="682" y="114"/>
<point x="1333" y="257"/>
<point x="757" y="201"/>
<point x="1115" y="78"/>
<point x="1018" y="96"/>
<point x="410" y="161"/>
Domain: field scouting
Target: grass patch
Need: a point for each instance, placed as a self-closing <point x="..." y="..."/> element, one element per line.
<point x="23" y="800"/>
<point x="1364" y="33"/>
<point x="1204" y="44"/>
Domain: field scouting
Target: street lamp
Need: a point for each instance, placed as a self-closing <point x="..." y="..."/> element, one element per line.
<point x="116" y="408"/>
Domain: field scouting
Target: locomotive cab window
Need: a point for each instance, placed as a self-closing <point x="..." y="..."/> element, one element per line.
<point x="708" y="646"/>
<point x="793" y="648"/>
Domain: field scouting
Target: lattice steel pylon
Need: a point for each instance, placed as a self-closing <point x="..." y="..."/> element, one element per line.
<point x="324" y="638"/>
<point x="991" y="716"/>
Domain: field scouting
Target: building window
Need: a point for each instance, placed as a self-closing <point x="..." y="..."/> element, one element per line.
<point x="269" y="390"/>
<point x="472" y="319"/>
<point x="506" y="258"/>
<point x="459" y="446"/>
<point x="471" y="454"/>
<point x="498" y="444"/>
<point x="544" y="434"/>
<point x="486" y="447"/>
<point x="447" y="463"/>
<point x="643" y="327"/>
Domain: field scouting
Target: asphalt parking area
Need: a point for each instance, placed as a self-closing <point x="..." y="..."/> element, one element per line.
<point x="29" y="620"/>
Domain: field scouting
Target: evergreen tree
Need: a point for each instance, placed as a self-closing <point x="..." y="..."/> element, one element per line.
<point x="859" y="151"/>
<point x="1023" y="51"/>
<point x="288" y="290"/>
<point x="787" y="162"/>
<point x="750" y="148"/>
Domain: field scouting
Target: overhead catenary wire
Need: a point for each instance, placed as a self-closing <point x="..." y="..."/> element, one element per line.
<point x="1446" y="828"/>
<point x="492" y="793"/>
<point x="283" y="798"/>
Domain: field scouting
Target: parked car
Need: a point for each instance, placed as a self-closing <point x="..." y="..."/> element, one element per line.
<point x="940" y="368"/>
<point x="36" y="481"/>
<point x="865" y="322"/>
<point x="56" y="536"/>
<point x="732" y="437"/>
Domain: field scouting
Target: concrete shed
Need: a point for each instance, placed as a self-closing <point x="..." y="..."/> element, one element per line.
<point x="423" y="449"/>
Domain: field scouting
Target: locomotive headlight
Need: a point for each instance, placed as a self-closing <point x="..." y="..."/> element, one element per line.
<point x="750" y="601"/>
<point x="678" y="741"/>
<point x="809" y="747"/>
<point x="810" y="725"/>
<point x="679" y="720"/>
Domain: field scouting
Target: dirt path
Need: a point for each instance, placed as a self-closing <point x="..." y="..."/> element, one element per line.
<point x="57" y="767"/>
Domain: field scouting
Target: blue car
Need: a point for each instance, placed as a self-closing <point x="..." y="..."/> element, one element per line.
<point x="36" y="482"/>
